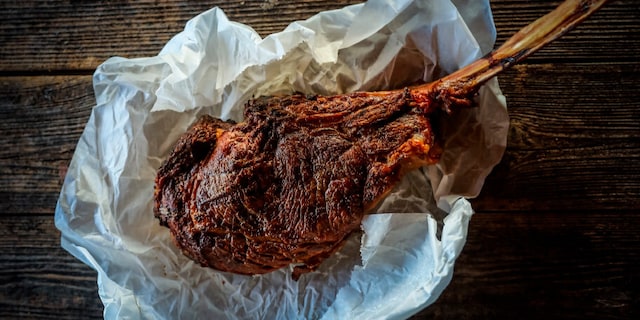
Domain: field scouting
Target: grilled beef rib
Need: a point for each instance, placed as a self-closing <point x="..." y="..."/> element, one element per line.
<point x="294" y="179"/>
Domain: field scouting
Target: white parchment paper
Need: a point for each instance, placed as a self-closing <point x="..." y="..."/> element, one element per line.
<point x="403" y="258"/>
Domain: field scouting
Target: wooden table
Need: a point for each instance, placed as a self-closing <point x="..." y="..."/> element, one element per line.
<point x="557" y="229"/>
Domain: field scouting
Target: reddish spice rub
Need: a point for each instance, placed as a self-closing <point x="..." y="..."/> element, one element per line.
<point x="292" y="181"/>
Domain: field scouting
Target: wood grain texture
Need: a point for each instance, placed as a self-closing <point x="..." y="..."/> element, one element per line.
<point x="42" y="118"/>
<point x="574" y="139"/>
<point x="63" y="36"/>
<point x="553" y="265"/>
<point x="611" y="34"/>
<point x="557" y="229"/>
<point x="574" y="151"/>
<point x="76" y="36"/>
<point x="38" y="279"/>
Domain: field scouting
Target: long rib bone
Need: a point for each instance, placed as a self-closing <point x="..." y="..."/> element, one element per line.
<point x="294" y="179"/>
<point x="456" y="88"/>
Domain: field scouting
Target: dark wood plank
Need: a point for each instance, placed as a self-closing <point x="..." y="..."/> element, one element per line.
<point x="565" y="151"/>
<point x="514" y="266"/>
<point x="546" y="266"/>
<point x="611" y="34"/>
<point x="557" y="233"/>
<point x="42" y="119"/>
<point x="574" y="141"/>
<point x="79" y="35"/>
<point x="38" y="279"/>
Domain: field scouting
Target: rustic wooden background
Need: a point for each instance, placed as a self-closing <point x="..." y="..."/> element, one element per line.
<point x="557" y="229"/>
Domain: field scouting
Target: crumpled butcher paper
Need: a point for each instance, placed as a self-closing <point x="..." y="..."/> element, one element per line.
<point x="404" y="256"/>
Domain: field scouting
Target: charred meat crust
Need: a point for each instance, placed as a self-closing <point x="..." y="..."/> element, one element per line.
<point x="292" y="181"/>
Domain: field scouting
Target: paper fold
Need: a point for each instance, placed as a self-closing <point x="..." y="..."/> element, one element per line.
<point x="403" y="258"/>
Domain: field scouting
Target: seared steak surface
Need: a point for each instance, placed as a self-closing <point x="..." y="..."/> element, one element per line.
<point x="292" y="181"/>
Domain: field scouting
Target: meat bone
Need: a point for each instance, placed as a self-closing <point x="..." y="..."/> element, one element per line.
<point x="455" y="88"/>
<point x="224" y="208"/>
